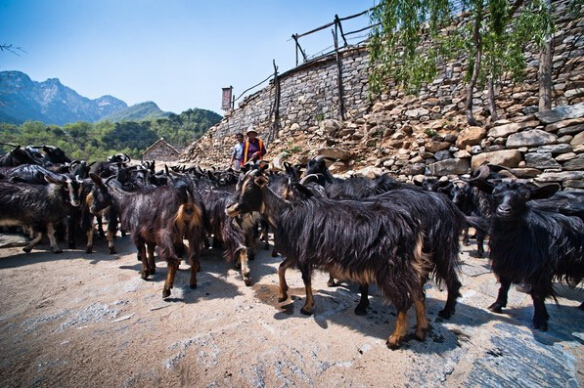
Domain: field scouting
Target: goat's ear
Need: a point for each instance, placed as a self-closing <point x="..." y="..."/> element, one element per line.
<point x="304" y="190"/>
<point x="487" y="187"/>
<point x="418" y="183"/>
<point x="96" y="179"/>
<point x="544" y="191"/>
<point x="51" y="179"/>
<point x="261" y="181"/>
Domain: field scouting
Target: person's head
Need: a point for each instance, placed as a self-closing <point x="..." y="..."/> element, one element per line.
<point x="239" y="137"/>
<point x="251" y="133"/>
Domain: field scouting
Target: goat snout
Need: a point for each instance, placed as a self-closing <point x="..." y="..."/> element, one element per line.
<point x="504" y="210"/>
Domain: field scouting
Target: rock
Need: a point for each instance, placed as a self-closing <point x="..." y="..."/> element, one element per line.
<point x="335" y="153"/>
<point x="566" y="157"/>
<point x="561" y="113"/>
<point x="579" y="149"/>
<point x="416" y="159"/>
<point x="525" y="173"/>
<point x="449" y="167"/>
<point x="414" y="169"/>
<point x="574" y="93"/>
<point x="574" y="184"/>
<point x="555" y="149"/>
<point x="388" y="163"/>
<point x="531" y="138"/>
<point x="577" y="140"/>
<point x="541" y="160"/>
<point x="575" y="164"/>
<point x="507" y="158"/>
<point x="476" y="150"/>
<point x="565" y="139"/>
<point x="415" y="113"/>
<point x="450" y="137"/>
<point x="571" y="130"/>
<point x="331" y="126"/>
<point x="295" y="127"/>
<point x="441" y="155"/>
<point x="560" y="176"/>
<point x="508" y="129"/>
<point x="435" y="146"/>
<point x="462" y="154"/>
<point x="370" y="172"/>
<point x="564" y="123"/>
<point x="470" y="136"/>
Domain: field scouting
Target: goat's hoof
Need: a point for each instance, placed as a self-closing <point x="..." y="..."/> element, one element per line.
<point x="152" y="271"/>
<point x="540" y="324"/>
<point x="193" y="286"/>
<point x="306" y="311"/>
<point x="496" y="307"/>
<point x="421" y="334"/>
<point x="89" y="250"/>
<point x="26" y="249"/>
<point x="393" y="342"/>
<point x="58" y="250"/>
<point x="274" y="254"/>
<point x="165" y="293"/>
<point x="360" y="310"/>
<point x="267" y="247"/>
<point x="247" y="281"/>
<point x="144" y="274"/>
<point x="445" y="313"/>
<point x="282" y="298"/>
<point x="112" y="251"/>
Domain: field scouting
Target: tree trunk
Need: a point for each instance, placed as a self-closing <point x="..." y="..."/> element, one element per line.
<point x="477" y="63"/>
<point x="545" y="76"/>
<point x="491" y="101"/>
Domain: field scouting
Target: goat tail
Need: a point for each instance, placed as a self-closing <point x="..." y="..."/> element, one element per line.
<point x="188" y="217"/>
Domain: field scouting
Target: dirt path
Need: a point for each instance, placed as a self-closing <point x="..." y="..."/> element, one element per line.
<point x="80" y="320"/>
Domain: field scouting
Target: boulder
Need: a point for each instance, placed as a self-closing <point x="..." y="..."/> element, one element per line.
<point x="571" y="130"/>
<point x="449" y="167"/>
<point x="560" y="176"/>
<point x="577" y="140"/>
<point x="508" y="129"/>
<point x="561" y="113"/>
<point x="574" y="184"/>
<point x="575" y="164"/>
<point x="531" y="138"/>
<point x="507" y="158"/>
<point x="370" y="172"/>
<point x="414" y="169"/>
<point x="555" y="149"/>
<point x="566" y="157"/>
<point x="564" y="123"/>
<point x="435" y="146"/>
<point x="442" y="155"/>
<point x="525" y="173"/>
<point x="470" y="136"/>
<point x="415" y="113"/>
<point x="541" y="160"/>
<point x="335" y="153"/>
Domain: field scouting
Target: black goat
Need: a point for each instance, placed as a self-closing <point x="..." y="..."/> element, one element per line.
<point x="38" y="206"/>
<point x="363" y="241"/>
<point x="161" y="217"/>
<point x="532" y="245"/>
<point x="16" y="157"/>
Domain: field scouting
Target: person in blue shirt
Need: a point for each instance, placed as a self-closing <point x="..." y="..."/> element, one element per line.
<point x="237" y="154"/>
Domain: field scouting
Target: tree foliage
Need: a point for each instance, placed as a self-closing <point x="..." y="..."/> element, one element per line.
<point x="89" y="141"/>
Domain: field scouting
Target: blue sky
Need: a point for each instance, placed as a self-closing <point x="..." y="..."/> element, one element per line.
<point x="176" y="53"/>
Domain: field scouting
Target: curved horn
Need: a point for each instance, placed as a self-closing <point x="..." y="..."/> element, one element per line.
<point x="482" y="173"/>
<point x="127" y="158"/>
<point x="307" y="178"/>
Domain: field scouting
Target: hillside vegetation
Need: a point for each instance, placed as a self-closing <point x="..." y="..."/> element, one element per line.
<point x="91" y="141"/>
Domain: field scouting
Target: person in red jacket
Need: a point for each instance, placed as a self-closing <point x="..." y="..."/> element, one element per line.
<point x="253" y="148"/>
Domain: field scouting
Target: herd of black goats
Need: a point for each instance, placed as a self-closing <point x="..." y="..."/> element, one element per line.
<point x="364" y="230"/>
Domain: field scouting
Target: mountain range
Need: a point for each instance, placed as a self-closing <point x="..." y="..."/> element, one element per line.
<point x="22" y="99"/>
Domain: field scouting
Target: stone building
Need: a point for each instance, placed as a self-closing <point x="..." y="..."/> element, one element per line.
<point x="161" y="150"/>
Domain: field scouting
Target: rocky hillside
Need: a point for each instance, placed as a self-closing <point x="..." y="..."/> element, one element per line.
<point x="428" y="134"/>
<point x="22" y="99"/>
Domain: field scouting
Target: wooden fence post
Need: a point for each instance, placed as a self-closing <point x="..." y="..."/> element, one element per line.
<point x="339" y="73"/>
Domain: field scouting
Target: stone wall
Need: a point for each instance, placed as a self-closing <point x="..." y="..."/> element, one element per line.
<point x="424" y="134"/>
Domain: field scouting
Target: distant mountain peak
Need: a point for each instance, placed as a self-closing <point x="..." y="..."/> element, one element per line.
<point x="54" y="103"/>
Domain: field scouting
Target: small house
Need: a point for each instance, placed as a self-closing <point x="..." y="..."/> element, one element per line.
<point x="162" y="151"/>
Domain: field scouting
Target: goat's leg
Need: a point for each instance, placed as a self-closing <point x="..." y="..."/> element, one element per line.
<point x="421" y="319"/>
<point x="244" y="268"/>
<point x="100" y="226"/>
<point x="151" y="260"/>
<point x="112" y="228"/>
<point x="172" y="267"/>
<point x="465" y="236"/>
<point x="331" y="281"/>
<point x="361" y="308"/>
<point x="309" y="302"/>
<point x="480" y="240"/>
<point x="264" y="235"/>
<point x="274" y="252"/>
<point x="581" y="307"/>
<point x="141" y="246"/>
<point x="501" y="297"/>
<point x="251" y="243"/>
<point x="51" y="233"/>
<point x="72" y="221"/>
<point x="89" y="247"/>
<point x="194" y="252"/>
<point x="36" y="239"/>
<point x="395" y="339"/>
<point x="540" y="315"/>
<point x="453" y="293"/>
<point x="282" y="275"/>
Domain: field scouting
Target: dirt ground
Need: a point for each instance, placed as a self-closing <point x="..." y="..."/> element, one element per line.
<point x="88" y="320"/>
